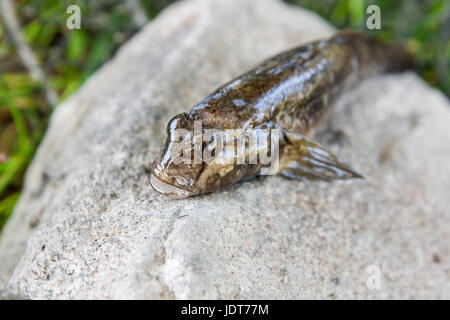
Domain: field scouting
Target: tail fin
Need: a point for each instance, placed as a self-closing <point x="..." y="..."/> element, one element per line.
<point x="374" y="54"/>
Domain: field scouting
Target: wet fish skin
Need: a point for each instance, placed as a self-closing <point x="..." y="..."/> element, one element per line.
<point x="291" y="91"/>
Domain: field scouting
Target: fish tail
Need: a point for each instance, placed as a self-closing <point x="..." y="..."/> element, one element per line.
<point x="373" y="55"/>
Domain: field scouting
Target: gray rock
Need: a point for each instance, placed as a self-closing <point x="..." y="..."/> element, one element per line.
<point x="89" y="226"/>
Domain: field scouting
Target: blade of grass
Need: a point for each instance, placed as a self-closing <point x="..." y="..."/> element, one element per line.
<point x="6" y="206"/>
<point x="17" y="162"/>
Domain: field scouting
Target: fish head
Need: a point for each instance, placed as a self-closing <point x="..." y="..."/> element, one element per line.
<point x="173" y="173"/>
<point x="182" y="171"/>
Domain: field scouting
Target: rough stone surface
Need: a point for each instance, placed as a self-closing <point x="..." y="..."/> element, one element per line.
<point x="89" y="226"/>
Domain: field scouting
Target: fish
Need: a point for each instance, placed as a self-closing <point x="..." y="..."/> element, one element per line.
<point x="275" y="108"/>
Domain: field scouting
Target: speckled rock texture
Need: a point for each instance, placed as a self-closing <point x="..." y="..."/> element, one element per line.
<point x="89" y="226"/>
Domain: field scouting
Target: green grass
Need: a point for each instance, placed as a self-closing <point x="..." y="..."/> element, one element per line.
<point x="69" y="57"/>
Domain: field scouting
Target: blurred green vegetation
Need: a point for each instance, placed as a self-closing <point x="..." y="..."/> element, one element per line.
<point x="69" y="57"/>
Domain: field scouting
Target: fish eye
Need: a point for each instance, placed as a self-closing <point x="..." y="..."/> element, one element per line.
<point x="178" y="121"/>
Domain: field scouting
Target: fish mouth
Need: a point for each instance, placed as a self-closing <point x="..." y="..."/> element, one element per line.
<point x="168" y="189"/>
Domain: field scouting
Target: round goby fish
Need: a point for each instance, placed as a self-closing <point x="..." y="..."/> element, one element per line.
<point x="259" y="122"/>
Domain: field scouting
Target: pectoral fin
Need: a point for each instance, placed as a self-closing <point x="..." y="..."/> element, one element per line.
<point x="302" y="158"/>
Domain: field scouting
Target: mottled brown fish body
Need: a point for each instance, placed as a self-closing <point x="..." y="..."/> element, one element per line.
<point x="291" y="91"/>
<point x="294" y="87"/>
